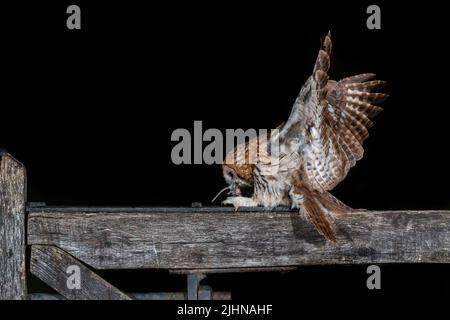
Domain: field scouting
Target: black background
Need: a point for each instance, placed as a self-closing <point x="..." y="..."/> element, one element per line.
<point x="90" y="112"/>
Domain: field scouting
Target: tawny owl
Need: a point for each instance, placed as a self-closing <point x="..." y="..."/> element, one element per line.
<point x="316" y="147"/>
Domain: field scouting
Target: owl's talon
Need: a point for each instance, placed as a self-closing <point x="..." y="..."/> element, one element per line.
<point x="231" y="201"/>
<point x="238" y="202"/>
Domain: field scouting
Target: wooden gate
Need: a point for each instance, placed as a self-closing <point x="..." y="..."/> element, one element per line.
<point x="194" y="241"/>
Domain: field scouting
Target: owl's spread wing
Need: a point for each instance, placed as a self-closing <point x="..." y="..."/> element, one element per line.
<point x="329" y="122"/>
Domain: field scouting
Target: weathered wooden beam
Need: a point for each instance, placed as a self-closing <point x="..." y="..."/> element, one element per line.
<point x="40" y="207"/>
<point x="12" y="228"/>
<point x="140" y="296"/>
<point x="204" y="240"/>
<point x="280" y="269"/>
<point x="55" y="267"/>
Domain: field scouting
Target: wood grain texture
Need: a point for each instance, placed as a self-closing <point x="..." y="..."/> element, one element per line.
<point x="216" y="295"/>
<point x="50" y="264"/>
<point x="190" y="240"/>
<point x="12" y="229"/>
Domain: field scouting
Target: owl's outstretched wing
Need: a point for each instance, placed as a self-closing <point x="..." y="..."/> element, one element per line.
<point x="329" y="122"/>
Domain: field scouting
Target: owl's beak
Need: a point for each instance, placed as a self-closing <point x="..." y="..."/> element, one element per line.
<point x="235" y="191"/>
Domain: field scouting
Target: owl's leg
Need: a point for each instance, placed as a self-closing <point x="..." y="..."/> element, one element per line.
<point x="240" y="202"/>
<point x="297" y="199"/>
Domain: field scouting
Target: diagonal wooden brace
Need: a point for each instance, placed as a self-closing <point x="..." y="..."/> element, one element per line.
<point x="55" y="267"/>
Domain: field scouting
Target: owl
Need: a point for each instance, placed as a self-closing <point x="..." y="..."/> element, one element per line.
<point x="307" y="156"/>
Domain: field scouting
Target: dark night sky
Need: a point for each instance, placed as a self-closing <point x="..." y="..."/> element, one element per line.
<point x="90" y="113"/>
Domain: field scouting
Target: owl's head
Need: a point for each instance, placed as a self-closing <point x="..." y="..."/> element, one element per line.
<point x="238" y="169"/>
<point x="238" y="166"/>
<point x="237" y="177"/>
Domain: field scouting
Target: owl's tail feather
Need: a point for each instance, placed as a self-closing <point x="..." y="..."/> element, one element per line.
<point x="314" y="209"/>
<point x="334" y="204"/>
<point x="318" y="217"/>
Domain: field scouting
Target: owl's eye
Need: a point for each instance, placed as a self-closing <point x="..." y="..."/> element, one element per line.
<point x="229" y="174"/>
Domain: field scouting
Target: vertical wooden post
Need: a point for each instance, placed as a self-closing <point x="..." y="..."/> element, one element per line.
<point x="12" y="228"/>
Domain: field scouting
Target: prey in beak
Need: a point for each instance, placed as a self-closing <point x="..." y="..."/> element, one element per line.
<point x="235" y="191"/>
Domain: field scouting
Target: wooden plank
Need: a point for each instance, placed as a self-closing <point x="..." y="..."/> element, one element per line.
<point x="12" y="228"/>
<point x="51" y="265"/>
<point x="123" y="240"/>
<point x="40" y="207"/>
<point x="234" y="270"/>
<point x="216" y="295"/>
